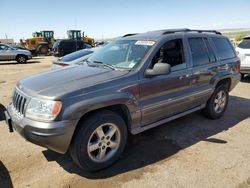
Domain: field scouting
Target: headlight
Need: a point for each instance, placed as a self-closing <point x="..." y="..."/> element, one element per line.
<point x="38" y="109"/>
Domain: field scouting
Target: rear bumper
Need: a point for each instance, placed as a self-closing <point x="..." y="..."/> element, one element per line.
<point x="245" y="70"/>
<point x="55" y="136"/>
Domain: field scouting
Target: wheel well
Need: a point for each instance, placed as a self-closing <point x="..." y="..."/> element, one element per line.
<point x="18" y="55"/>
<point x="119" y="109"/>
<point x="226" y="82"/>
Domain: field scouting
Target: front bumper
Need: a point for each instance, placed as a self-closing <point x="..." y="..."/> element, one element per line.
<point x="55" y="135"/>
<point x="29" y="56"/>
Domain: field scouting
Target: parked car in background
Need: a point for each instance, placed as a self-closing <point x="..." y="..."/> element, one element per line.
<point x="130" y="85"/>
<point x="8" y="53"/>
<point x="64" y="47"/>
<point x="243" y="51"/>
<point x="73" y="58"/>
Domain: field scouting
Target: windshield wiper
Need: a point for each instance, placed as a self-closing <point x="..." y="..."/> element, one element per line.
<point x="104" y="64"/>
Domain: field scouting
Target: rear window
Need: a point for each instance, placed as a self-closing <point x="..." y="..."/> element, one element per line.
<point x="199" y="51"/>
<point x="224" y="48"/>
<point x="76" y="55"/>
<point x="245" y="44"/>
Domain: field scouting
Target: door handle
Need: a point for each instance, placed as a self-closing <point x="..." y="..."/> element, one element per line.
<point x="185" y="76"/>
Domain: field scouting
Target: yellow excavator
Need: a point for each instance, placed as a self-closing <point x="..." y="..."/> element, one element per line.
<point x="40" y="42"/>
<point x="76" y="35"/>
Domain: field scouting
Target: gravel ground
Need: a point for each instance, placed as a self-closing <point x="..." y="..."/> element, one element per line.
<point x="189" y="152"/>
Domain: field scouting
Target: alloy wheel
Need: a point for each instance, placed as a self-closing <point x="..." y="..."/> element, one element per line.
<point x="104" y="142"/>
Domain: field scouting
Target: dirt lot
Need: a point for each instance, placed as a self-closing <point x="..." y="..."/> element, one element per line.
<point x="189" y="152"/>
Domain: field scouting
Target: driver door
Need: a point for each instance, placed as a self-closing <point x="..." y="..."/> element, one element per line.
<point x="163" y="96"/>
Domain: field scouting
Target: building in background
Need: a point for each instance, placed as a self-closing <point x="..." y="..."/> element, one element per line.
<point x="7" y="41"/>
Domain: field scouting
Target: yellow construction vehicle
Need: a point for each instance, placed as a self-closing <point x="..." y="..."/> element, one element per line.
<point x="76" y="35"/>
<point x="40" y="43"/>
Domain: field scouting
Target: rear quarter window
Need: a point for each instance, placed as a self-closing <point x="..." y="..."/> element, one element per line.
<point x="245" y="44"/>
<point x="224" y="48"/>
<point x="199" y="51"/>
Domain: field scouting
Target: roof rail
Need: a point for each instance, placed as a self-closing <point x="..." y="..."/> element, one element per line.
<point x="170" y="31"/>
<point x="207" y="31"/>
<point x="130" y="34"/>
<point x="190" y="30"/>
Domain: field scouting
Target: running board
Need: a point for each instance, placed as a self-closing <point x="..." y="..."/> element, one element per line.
<point x="144" y="128"/>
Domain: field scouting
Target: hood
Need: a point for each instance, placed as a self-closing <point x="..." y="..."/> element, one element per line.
<point x="59" y="82"/>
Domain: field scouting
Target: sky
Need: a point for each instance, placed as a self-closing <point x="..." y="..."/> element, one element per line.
<point x="103" y="19"/>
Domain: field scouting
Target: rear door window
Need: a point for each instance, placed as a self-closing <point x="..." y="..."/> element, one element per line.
<point x="245" y="44"/>
<point x="224" y="48"/>
<point x="210" y="51"/>
<point x="199" y="51"/>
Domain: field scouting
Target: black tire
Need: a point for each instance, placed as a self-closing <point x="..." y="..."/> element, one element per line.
<point x="209" y="110"/>
<point x="242" y="76"/>
<point x="21" y="58"/>
<point x="42" y="49"/>
<point x="79" y="146"/>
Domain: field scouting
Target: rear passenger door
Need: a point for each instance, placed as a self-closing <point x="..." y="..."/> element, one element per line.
<point x="205" y="66"/>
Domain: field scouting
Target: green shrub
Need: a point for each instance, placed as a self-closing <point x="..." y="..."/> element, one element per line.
<point x="239" y="37"/>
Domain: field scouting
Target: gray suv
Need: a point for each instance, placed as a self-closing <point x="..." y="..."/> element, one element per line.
<point x="8" y="53"/>
<point x="130" y="85"/>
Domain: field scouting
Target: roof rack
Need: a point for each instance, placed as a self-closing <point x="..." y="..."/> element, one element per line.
<point x="130" y="34"/>
<point x="190" y="30"/>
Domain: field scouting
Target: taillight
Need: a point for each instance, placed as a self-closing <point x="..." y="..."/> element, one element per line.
<point x="238" y="66"/>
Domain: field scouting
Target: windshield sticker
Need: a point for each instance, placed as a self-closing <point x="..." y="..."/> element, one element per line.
<point x="145" y="42"/>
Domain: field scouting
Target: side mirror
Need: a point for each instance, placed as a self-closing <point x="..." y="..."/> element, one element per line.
<point x="158" y="69"/>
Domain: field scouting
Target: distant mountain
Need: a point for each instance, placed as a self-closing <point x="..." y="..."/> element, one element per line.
<point x="234" y="30"/>
<point x="232" y="33"/>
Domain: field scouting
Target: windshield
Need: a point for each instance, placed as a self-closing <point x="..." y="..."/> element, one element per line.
<point x="76" y="55"/>
<point x="123" y="54"/>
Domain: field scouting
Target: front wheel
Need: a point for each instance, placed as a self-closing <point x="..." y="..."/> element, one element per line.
<point x="217" y="103"/>
<point x="42" y="49"/>
<point x="242" y="76"/>
<point x="99" y="141"/>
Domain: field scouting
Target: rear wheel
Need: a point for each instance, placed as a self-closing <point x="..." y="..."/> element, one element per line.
<point x="21" y="59"/>
<point x="217" y="103"/>
<point x="99" y="142"/>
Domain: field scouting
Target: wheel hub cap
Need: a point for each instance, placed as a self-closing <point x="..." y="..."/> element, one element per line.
<point x="104" y="142"/>
<point x="220" y="102"/>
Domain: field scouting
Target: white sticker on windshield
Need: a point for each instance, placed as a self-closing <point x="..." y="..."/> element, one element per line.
<point x="145" y="42"/>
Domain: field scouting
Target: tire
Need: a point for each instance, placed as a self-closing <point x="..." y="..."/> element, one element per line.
<point x="216" y="106"/>
<point x="43" y="49"/>
<point x="242" y="76"/>
<point x="95" y="131"/>
<point x="21" y="59"/>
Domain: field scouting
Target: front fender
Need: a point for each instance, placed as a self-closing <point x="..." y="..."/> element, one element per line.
<point x="81" y="107"/>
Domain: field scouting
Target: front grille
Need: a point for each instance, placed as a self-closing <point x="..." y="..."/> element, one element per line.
<point x="19" y="102"/>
